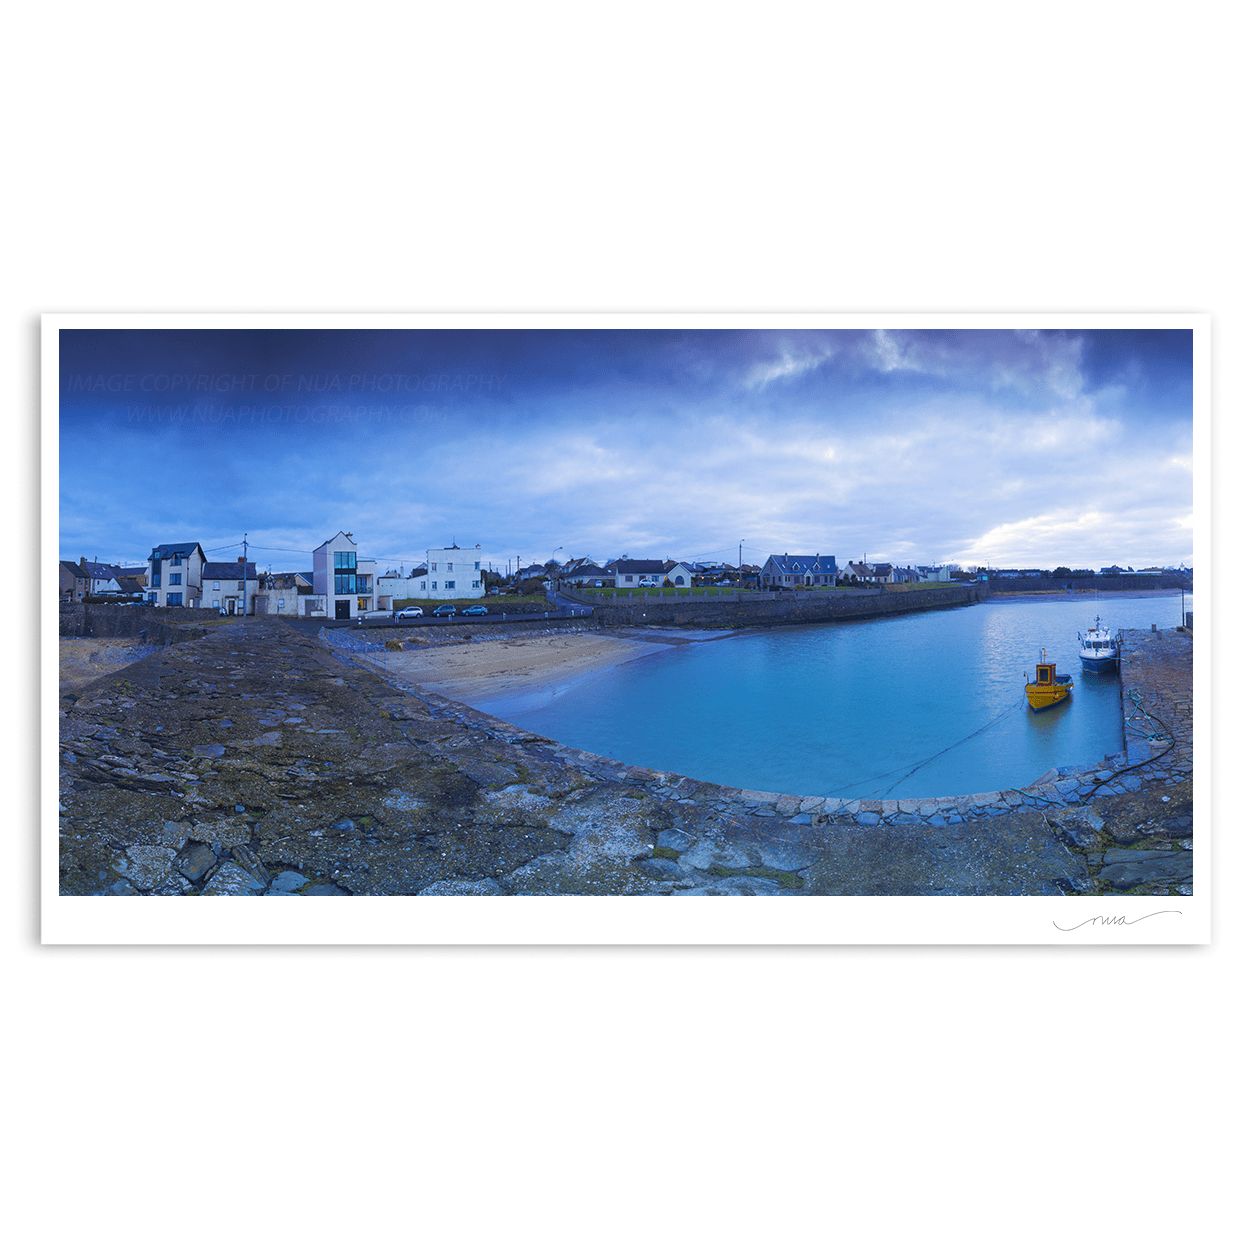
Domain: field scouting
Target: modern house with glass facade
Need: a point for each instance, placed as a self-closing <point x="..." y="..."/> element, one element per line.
<point x="345" y="580"/>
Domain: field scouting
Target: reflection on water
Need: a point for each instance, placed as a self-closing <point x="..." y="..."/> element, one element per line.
<point x="916" y="706"/>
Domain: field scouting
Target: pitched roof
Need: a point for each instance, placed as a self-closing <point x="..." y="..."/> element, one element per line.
<point x="636" y="566"/>
<point x="804" y="564"/>
<point x="166" y="550"/>
<point x="228" y="568"/>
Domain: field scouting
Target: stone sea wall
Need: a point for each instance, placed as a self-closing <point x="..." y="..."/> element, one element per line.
<point x="756" y="610"/>
<point x="114" y="620"/>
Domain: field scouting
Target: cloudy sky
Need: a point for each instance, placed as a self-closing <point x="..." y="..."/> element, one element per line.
<point x="1001" y="447"/>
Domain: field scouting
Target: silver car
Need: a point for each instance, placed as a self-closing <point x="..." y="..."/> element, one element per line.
<point x="407" y="613"/>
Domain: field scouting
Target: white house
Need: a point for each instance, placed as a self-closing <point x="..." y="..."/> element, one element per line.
<point x="345" y="580"/>
<point x="452" y="573"/>
<point x="629" y="573"/>
<point x="679" y="574"/>
<point x="230" y="587"/>
<point x="391" y="587"/>
<point x="176" y="575"/>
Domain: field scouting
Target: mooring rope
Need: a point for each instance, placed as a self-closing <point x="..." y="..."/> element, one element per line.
<point x="915" y="768"/>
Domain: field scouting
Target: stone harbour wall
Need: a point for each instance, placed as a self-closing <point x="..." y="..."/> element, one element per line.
<point x="114" y="620"/>
<point x="748" y="610"/>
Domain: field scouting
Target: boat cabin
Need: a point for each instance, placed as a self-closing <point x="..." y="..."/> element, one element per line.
<point x="1045" y="675"/>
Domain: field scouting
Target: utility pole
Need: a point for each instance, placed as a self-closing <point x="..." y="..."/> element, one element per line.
<point x="244" y="574"/>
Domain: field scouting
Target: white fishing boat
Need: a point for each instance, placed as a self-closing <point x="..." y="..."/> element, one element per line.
<point x="1100" y="651"/>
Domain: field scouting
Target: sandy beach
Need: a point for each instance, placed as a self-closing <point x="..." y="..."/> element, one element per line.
<point x="502" y="674"/>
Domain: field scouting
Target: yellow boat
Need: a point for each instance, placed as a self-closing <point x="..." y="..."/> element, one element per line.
<point x="1049" y="687"/>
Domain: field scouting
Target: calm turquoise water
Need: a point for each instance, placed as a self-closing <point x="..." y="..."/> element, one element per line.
<point x="860" y="709"/>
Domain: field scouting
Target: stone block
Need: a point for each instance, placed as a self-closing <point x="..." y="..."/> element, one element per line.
<point x="231" y="879"/>
<point x="1124" y="869"/>
<point x="145" y="866"/>
<point x="287" y="881"/>
<point x="195" y="860"/>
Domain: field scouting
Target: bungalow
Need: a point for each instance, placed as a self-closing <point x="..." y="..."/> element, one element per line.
<point x="129" y="587"/>
<point x="860" y="572"/>
<point x="588" y="575"/>
<point x="786" y="571"/>
<point x="630" y="572"/>
<point x="176" y="576"/>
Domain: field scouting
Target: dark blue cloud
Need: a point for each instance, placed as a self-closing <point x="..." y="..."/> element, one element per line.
<point x="615" y="439"/>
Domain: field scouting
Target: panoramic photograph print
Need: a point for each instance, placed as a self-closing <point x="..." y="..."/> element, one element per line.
<point x="636" y="611"/>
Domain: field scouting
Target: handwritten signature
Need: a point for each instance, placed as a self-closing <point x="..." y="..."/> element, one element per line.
<point x="1123" y="920"/>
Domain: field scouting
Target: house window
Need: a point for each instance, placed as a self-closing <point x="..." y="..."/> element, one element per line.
<point x="282" y="603"/>
<point x="216" y="603"/>
<point x="175" y="579"/>
<point x="345" y="560"/>
<point x="156" y="579"/>
<point x="422" y="585"/>
<point x="629" y="577"/>
<point x="177" y="560"/>
<point x="151" y="598"/>
<point x="477" y="565"/>
<point x="345" y="583"/>
<point x="679" y="580"/>
<point x="174" y="600"/>
<point x="449" y="585"/>
<point x="433" y="566"/>
<point x="475" y="586"/>
<point x="449" y="567"/>
<point x="240" y="587"/>
<point x="216" y="586"/>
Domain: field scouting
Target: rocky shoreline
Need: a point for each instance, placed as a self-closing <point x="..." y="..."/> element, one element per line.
<point x="257" y="760"/>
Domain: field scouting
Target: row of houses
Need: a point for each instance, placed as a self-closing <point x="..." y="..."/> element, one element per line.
<point x="341" y="584"/>
<point x="784" y="571"/>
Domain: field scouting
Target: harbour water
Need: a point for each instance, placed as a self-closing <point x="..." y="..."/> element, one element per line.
<point x="906" y="707"/>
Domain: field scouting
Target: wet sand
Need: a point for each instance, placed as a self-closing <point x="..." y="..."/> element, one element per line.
<point x="499" y="674"/>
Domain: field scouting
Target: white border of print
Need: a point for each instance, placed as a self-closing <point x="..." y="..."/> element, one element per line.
<point x="616" y="920"/>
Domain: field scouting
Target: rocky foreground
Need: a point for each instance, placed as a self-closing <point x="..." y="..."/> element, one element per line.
<point x="256" y="761"/>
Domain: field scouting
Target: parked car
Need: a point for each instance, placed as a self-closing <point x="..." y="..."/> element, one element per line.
<point x="478" y="609"/>
<point x="646" y="582"/>
<point x="408" y="612"/>
<point x="372" y="618"/>
<point x="445" y="609"/>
